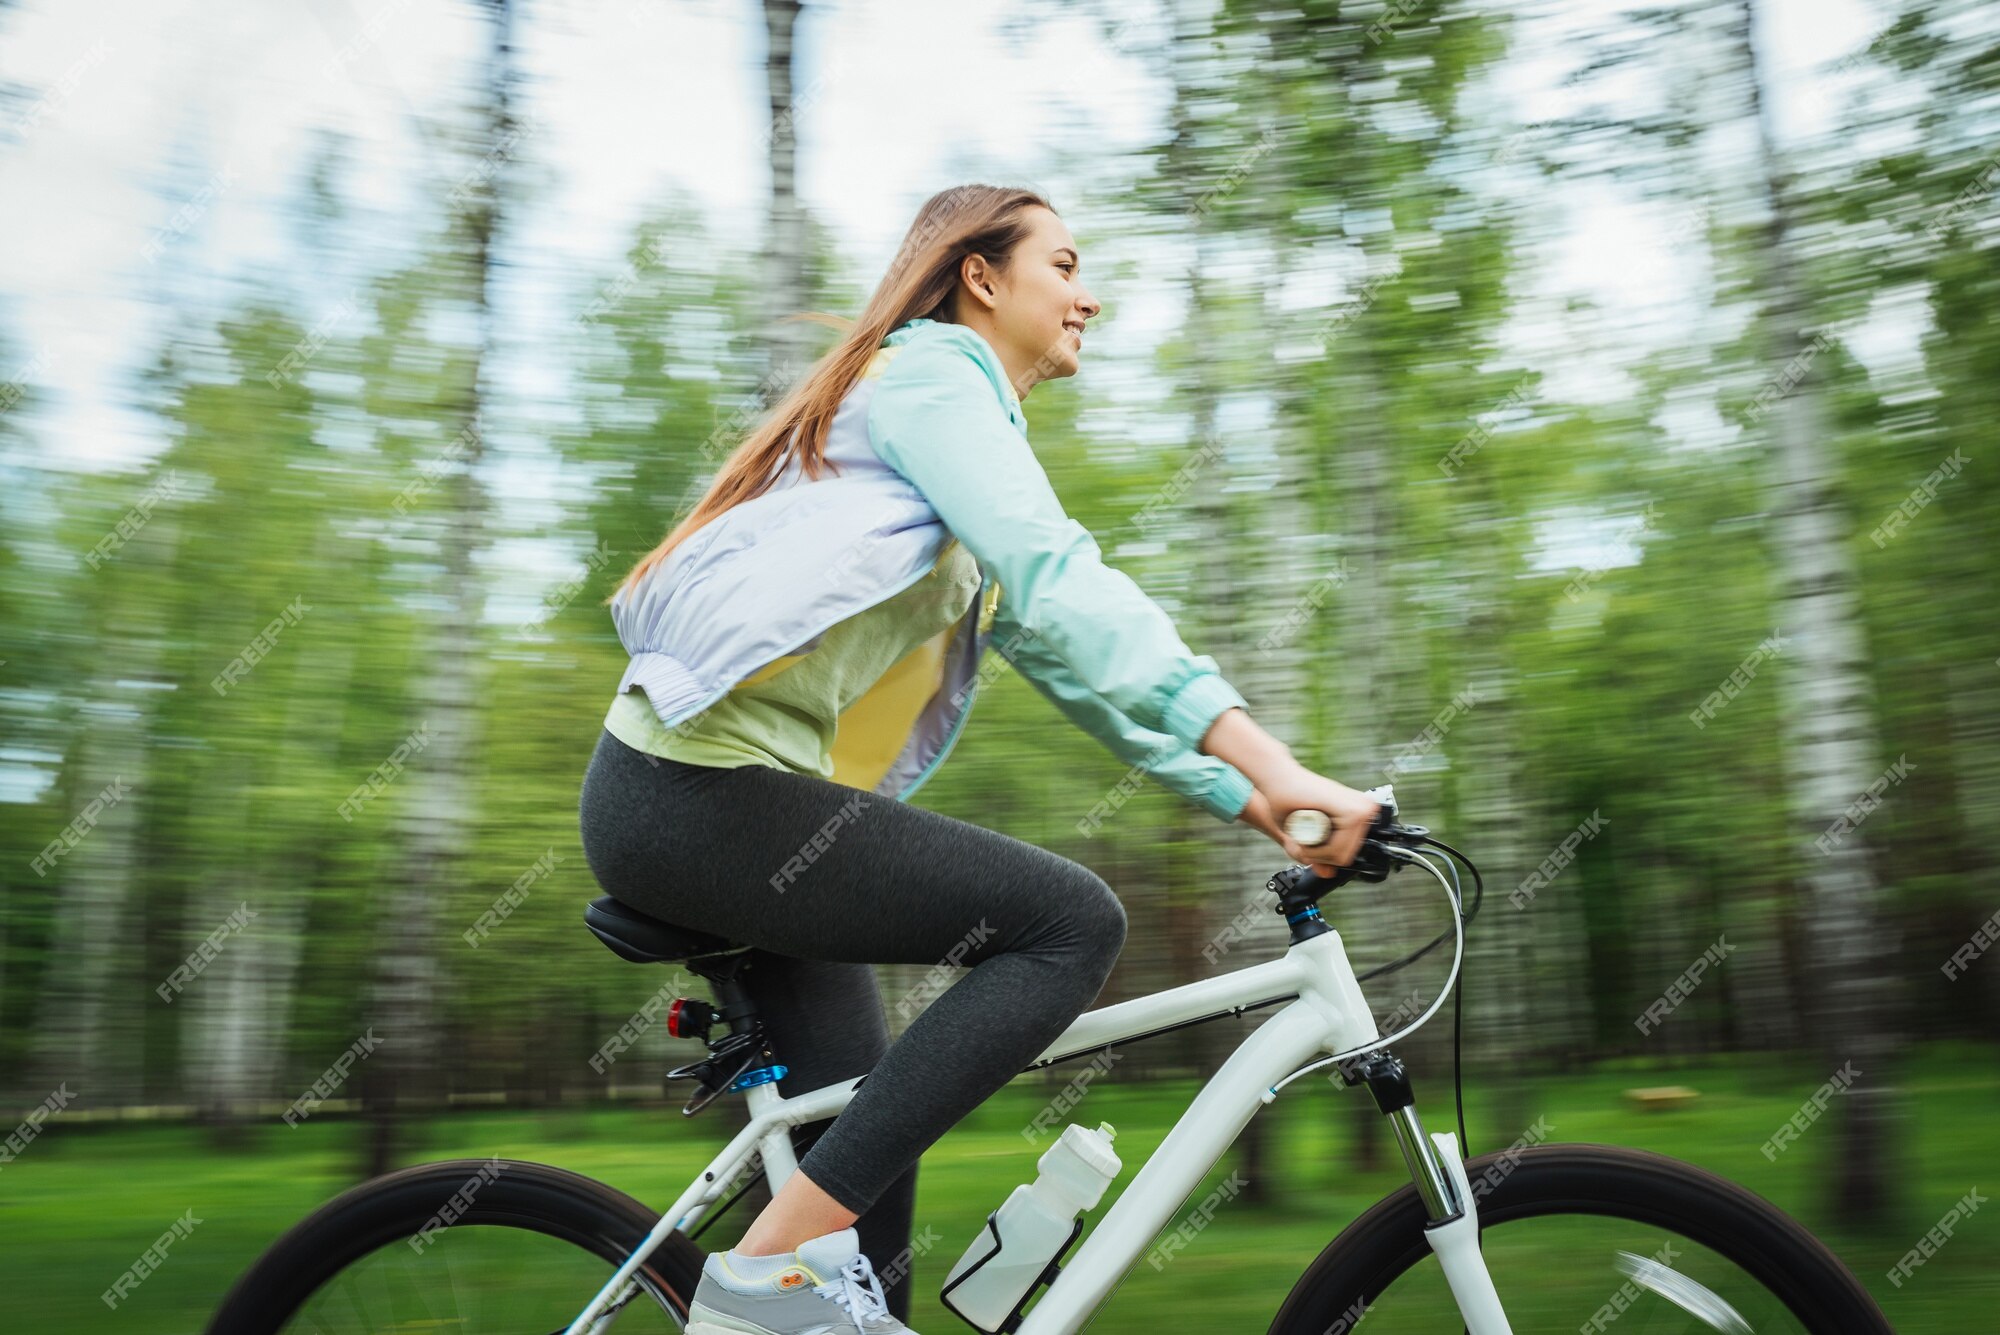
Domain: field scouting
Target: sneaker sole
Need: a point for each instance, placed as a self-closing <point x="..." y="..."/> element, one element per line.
<point x="707" y="1325"/>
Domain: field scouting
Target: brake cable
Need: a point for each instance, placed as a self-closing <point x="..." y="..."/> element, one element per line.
<point x="1478" y="894"/>
<point x="1458" y="996"/>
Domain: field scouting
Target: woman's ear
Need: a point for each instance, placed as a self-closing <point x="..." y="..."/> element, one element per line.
<point x="977" y="275"/>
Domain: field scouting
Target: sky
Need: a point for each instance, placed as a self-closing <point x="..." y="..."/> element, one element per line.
<point x="172" y="132"/>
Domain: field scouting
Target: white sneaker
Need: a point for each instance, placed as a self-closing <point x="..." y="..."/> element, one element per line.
<point x="828" y="1288"/>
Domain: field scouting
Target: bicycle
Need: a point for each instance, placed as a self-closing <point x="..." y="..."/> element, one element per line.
<point x="1567" y="1232"/>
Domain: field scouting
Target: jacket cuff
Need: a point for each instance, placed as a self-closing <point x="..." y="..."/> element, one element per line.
<point x="1197" y="705"/>
<point x="1229" y="794"/>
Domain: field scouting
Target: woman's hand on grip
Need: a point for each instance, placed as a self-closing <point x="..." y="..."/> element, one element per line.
<point x="1352" y="812"/>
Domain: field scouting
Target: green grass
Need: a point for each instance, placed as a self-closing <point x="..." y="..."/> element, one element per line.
<point x="81" y="1203"/>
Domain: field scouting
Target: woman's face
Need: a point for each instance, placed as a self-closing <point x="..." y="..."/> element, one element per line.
<point x="1036" y="310"/>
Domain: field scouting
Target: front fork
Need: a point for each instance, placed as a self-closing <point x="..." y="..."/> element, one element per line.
<point x="1437" y="1167"/>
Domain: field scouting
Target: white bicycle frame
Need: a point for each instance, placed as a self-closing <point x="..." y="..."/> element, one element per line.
<point x="1329" y="1015"/>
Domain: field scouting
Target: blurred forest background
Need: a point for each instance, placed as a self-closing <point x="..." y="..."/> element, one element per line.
<point x="1666" y="610"/>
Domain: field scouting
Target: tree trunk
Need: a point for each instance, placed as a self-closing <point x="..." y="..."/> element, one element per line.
<point x="1370" y="923"/>
<point x="242" y="1019"/>
<point x="784" y="259"/>
<point x="1232" y="576"/>
<point x="435" y="808"/>
<point x="1831" y="747"/>
<point x="88" y="1011"/>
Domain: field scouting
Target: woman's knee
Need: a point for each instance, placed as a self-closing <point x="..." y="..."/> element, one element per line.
<point x="1099" y="917"/>
<point x="1075" y="915"/>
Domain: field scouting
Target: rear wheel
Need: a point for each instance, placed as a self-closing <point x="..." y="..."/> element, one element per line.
<point x="1585" y="1238"/>
<point x="472" y="1245"/>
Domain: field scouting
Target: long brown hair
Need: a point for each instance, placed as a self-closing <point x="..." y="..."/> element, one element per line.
<point x="984" y="220"/>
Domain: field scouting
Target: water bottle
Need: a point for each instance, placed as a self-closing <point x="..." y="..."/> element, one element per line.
<point x="1034" y="1226"/>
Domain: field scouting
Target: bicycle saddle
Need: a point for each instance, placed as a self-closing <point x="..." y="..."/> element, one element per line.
<point x="635" y="936"/>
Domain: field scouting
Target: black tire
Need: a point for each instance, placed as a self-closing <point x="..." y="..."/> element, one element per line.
<point x="1643" y="1188"/>
<point x="395" y="1206"/>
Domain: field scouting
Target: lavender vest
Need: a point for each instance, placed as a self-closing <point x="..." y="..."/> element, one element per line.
<point x="770" y="576"/>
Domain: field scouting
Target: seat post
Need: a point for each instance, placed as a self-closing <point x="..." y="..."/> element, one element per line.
<point x="776" y="1150"/>
<point x="738" y="1010"/>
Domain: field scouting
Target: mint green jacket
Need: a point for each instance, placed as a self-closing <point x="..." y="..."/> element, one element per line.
<point x="929" y="447"/>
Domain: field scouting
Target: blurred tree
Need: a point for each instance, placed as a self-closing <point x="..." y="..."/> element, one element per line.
<point x="1832" y="745"/>
<point x="86" y="1023"/>
<point x="1360" y="121"/>
<point x="436" y="814"/>
<point x="783" y="263"/>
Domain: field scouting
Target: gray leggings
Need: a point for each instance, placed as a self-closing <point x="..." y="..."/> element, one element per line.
<point x="826" y="879"/>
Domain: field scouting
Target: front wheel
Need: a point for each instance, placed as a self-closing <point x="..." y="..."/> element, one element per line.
<point x="473" y="1245"/>
<point x="1590" y="1238"/>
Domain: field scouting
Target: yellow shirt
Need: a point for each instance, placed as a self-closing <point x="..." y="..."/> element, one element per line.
<point x="787" y="713"/>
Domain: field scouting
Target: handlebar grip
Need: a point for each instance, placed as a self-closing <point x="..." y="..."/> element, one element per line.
<point x="1309" y="827"/>
<point x="1312" y="828"/>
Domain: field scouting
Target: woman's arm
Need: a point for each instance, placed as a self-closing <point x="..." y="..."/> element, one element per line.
<point x="1234" y="737"/>
<point x="1202" y="779"/>
<point x="1283" y="786"/>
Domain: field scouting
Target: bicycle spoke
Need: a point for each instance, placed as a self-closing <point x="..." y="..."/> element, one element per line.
<point x="1684" y="1292"/>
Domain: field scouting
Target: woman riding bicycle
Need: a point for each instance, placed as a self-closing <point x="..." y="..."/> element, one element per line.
<point x="805" y="646"/>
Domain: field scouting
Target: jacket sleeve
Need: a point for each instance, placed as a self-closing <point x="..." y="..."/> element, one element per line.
<point x="939" y="416"/>
<point x="1215" y="785"/>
